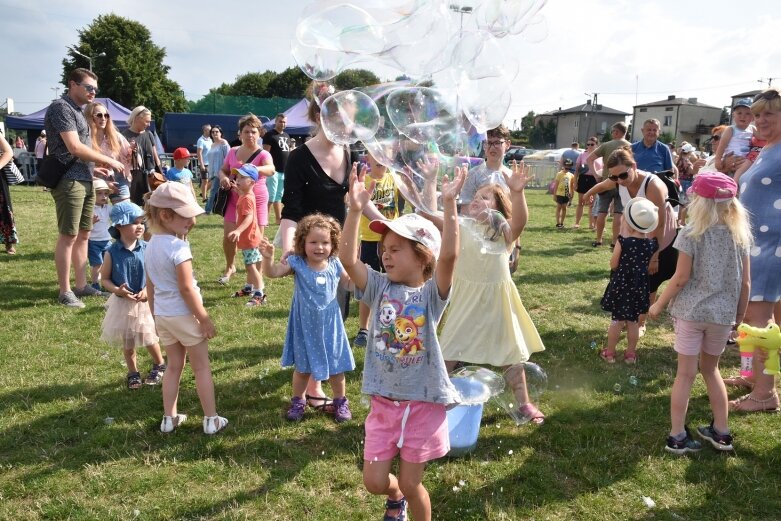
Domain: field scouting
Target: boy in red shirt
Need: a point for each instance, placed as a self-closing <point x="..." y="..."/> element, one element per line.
<point x="247" y="234"/>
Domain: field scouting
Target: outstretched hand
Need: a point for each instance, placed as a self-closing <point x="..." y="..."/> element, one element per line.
<point x="520" y="176"/>
<point x="428" y="168"/>
<point x="451" y="189"/>
<point x="359" y="196"/>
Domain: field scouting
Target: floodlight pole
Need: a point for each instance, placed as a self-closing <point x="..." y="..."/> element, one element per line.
<point x="89" y="58"/>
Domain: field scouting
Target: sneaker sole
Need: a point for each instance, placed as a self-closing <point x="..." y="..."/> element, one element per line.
<point x="680" y="452"/>
<point x="716" y="445"/>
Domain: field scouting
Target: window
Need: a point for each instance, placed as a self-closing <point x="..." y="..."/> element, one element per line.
<point x="668" y="120"/>
<point x="644" y="110"/>
<point x="669" y="109"/>
<point x="604" y="127"/>
<point x="576" y="123"/>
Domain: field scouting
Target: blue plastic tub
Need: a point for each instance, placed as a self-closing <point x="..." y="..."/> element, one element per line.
<point x="463" y="421"/>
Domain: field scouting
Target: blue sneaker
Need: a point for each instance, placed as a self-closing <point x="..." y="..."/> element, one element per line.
<point x="719" y="441"/>
<point x="681" y="447"/>
<point x="361" y="339"/>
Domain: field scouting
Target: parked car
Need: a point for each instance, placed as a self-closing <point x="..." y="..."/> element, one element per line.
<point x="517" y="154"/>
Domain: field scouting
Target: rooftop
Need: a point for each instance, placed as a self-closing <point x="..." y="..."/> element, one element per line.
<point x="672" y="100"/>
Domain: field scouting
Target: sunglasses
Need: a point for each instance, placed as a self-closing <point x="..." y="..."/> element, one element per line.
<point x="215" y="130"/>
<point x="715" y="138"/>
<point x="591" y="144"/>
<point x="767" y="95"/>
<point x="89" y="88"/>
<point x="622" y="176"/>
<point x="101" y="115"/>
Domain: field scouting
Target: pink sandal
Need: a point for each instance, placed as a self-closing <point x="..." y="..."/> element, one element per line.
<point x="608" y="356"/>
<point x="630" y="358"/>
<point x="532" y="413"/>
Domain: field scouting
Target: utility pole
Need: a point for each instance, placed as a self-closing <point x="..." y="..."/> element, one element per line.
<point x="768" y="80"/>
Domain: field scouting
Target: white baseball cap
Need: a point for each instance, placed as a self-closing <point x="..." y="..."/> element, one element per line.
<point x="413" y="227"/>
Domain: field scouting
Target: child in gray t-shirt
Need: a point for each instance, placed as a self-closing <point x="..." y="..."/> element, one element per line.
<point x="404" y="370"/>
<point x="708" y="295"/>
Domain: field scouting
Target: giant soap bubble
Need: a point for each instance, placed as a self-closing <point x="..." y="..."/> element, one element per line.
<point x="348" y="117"/>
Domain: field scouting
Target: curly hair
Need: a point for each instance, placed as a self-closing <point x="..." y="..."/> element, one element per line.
<point x="250" y="120"/>
<point x="316" y="220"/>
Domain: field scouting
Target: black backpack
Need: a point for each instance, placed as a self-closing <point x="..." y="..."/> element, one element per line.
<point x="674" y="193"/>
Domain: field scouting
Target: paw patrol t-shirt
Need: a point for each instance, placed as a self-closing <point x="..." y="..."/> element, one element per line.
<point x="403" y="358"/>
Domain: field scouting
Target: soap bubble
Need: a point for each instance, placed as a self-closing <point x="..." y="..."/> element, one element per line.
<point x="348" y="117"/>
<point x="492" y="382"/>
<point x="536" y="380"/>
<point x="507" y="17"/>
<point x="536" y="383"/>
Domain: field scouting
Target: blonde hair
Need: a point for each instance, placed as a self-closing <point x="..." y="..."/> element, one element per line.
<point x="768" y="99"/>
<point x="705" y="212"/>
<point x="155" y="216"/>
<point x="136" y="112"/>
<point x="110" y="132"/>
<point x="316" y="220"/>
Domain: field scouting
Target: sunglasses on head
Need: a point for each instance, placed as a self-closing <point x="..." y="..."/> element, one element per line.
<point x="767" y="95"/>
<point x="622" y="176"/>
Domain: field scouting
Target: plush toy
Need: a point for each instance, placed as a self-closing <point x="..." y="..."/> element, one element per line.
<point x="767" y="339"/>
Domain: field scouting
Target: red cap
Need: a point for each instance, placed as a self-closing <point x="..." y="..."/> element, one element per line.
<point x="181" y="153"/>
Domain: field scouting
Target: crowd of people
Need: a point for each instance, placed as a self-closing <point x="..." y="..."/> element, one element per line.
<point x="341" y="228"/>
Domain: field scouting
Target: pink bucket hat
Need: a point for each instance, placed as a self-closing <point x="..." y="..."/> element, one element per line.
<point x="713" y="185"/>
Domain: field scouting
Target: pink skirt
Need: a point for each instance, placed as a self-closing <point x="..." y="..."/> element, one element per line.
<point x="128" y="323"/>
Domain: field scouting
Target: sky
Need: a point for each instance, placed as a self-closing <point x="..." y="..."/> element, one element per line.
<point x="625" y="52"/>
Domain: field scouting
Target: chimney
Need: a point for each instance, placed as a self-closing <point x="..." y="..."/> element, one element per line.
<point x="671" y="97"/>
<point x="693" y="101"/>
<point x="588" y="102"/>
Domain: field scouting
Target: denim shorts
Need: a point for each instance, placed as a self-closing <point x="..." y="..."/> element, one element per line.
<point x="95" y="251"/>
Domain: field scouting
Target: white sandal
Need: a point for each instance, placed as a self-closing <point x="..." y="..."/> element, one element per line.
<point x="170" y="423"/>
<point x="214" y="424"/>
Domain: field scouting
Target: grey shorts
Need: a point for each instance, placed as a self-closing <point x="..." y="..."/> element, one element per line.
<point x="605" y="198"/>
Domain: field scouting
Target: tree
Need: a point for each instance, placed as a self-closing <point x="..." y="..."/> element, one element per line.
<point x="252" y="84"/>
<point x="132" y="71"/>
<point x="355" y="78"/>
<point x="290" y="83"/>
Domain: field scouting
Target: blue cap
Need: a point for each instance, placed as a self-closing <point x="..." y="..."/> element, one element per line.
<point x="247" y="170"/>
<point x="125" y="213"/>
<point x="743" y="102"/>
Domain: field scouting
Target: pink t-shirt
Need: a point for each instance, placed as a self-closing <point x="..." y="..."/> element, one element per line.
<point x="261" y="192"/>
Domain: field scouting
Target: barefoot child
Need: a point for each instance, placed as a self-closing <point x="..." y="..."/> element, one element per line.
<point x="708" y="296"/>
<point x="627" y="293"/>
<point x="316" y="342"/>
<point x="404" y="371"/>
<point x="128" y="322"/>
<point x="182" y="322"/>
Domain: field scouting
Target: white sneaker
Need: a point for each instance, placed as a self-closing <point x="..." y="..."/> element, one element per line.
<point x="170" y="423"/>
<point x="214" y="424"/>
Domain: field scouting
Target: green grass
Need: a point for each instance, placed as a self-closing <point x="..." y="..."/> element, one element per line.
<point x="597" y="455"/>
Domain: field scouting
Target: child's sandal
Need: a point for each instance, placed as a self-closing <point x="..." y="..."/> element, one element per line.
<point x="322" y="404"/>
<point x="170" y="423"/>
<point x="393" y="504"/>
<point x="531" y="413"/>
<point x="134" y="381"/>
<point x="630" y="358"/>
<point x="608" y="356"/>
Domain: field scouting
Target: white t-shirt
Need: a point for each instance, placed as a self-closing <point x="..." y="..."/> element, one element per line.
<point x="100" y="229"/>
<point x="163" y="254"/>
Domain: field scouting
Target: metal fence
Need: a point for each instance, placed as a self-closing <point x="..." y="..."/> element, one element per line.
<point x="542" y="172"/>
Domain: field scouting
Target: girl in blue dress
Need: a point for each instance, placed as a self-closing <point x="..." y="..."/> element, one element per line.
<point x="316" y="343"/>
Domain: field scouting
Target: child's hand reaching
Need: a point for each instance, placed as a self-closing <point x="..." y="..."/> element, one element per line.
<point x="266" y="248"/>
<point x="451" y="189"/>
<point x="520" y="176"/>
<point x="359" y="195"/>
<point x="428" y="168"/>
<point x="655" y="310"/>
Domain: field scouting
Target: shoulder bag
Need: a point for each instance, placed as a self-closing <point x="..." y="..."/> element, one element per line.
<point x="52" y="171"/>
<point x="221" y="201"/>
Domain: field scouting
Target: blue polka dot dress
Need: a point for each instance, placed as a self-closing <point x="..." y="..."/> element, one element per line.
<point x="760" y="193"/>
<point x="316" y="341"/>
<point x="629" y="289"/>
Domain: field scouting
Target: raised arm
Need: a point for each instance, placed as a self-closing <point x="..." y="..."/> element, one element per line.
<point x="517" y="184"/>
<point x="448" y="252"/>
<point x="270" y="269"/>
<point x="358" y="198"/>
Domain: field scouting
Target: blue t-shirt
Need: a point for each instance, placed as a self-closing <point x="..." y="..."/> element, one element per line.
<point x="127" y="266"/>
<point x="655" y="158"/>
<point x="204" y="143"/>
<point x="180" y="176"/>
<point x="403" y="357"/>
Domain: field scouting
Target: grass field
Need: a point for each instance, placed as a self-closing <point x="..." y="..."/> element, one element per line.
<point x="76" y="444"/>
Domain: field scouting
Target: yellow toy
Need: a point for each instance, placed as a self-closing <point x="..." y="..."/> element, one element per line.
<point x="768" y="339"/>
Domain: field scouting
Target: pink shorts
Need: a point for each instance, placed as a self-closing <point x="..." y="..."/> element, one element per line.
<point x="417" y="430"/>
<point x="184" y="329"/>
<point x="693" y="337"/>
